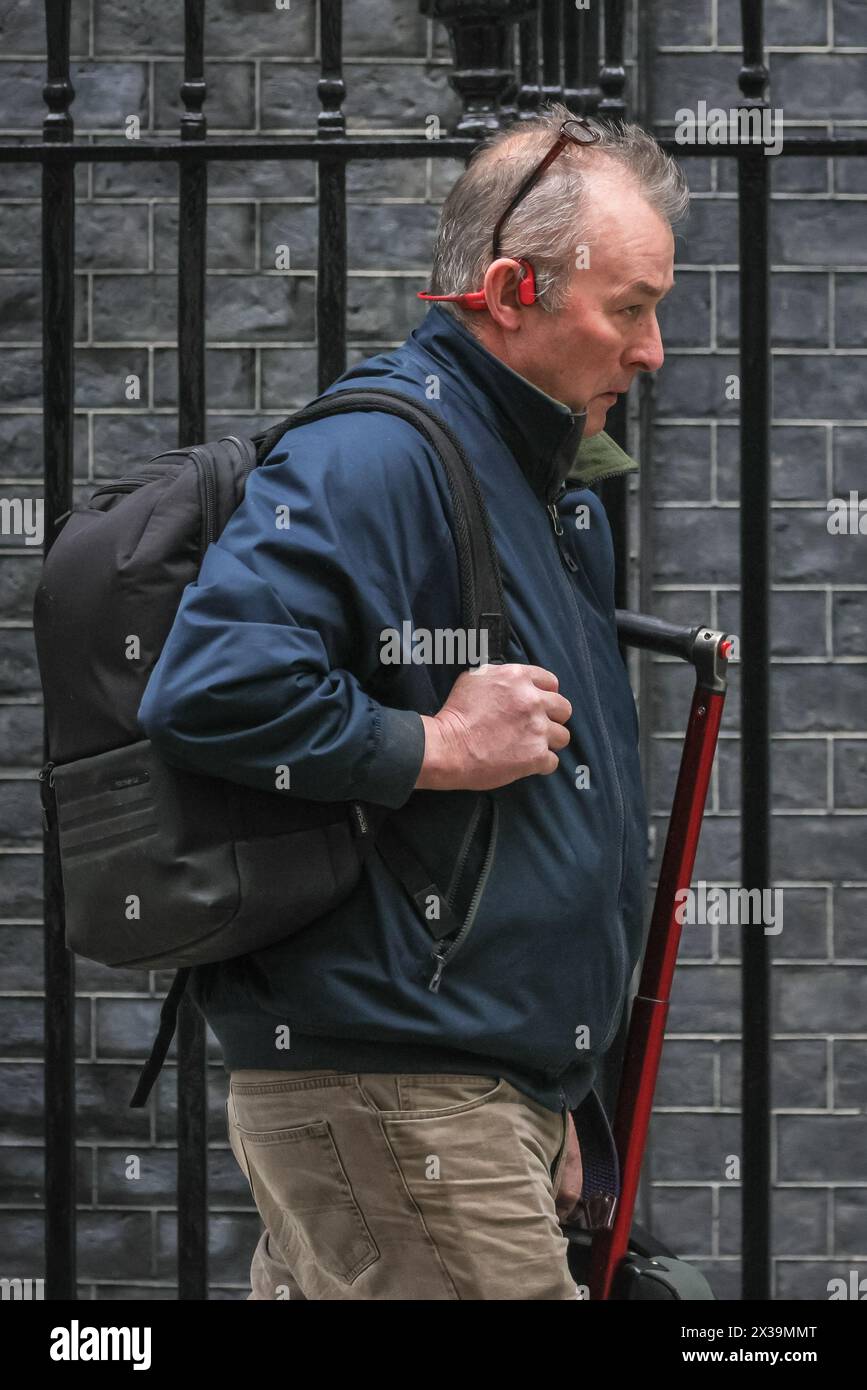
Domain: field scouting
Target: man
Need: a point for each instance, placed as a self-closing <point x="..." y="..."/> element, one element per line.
<point x="399" y="1103"/>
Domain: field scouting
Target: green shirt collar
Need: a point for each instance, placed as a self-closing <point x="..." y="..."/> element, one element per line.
<point x="599" y="457"/>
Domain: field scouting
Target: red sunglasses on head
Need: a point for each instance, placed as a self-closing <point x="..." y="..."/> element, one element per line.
<point x="475" y="299"/>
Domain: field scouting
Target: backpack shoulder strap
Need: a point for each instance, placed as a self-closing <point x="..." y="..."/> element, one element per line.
<point x="168" y="1024"/>
<point x="483" y="605"/>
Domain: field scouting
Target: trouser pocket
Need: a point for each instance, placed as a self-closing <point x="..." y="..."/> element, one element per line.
<point x="427" y="1095"/>
<point x="304" y="1196"/>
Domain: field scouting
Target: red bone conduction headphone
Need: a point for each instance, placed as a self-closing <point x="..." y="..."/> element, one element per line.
<point x="475" y="299"/>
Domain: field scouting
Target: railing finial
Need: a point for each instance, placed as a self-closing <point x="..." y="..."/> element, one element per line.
<point x="753" y="76"/>
<point x="612" y="76"/>
<point x="331" y="87"/>
<point x="58" y="92"/>
<point x="194" y="88"/>
<point x="482" y="38"/>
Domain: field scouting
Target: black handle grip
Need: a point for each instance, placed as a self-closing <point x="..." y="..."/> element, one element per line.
<point x="707" y="649"/>
<point x="642" y="630"/>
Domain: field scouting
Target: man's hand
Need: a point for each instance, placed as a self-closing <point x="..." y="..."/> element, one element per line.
<point x="571" y="1181"/>
<point x="499" y="723"/>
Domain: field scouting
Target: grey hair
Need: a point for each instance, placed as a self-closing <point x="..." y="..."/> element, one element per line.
<point x="555" y="216"/>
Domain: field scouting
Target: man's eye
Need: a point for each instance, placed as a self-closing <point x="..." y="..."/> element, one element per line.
<point x="634" y="309"/>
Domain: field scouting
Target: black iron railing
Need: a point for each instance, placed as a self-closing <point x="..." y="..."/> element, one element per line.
<point x="508" y="57"/>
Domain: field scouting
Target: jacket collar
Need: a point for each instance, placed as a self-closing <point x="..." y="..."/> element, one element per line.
<point x="544" y="435"/>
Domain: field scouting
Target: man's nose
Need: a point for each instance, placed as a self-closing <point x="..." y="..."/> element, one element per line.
<point x="648" y="354"/>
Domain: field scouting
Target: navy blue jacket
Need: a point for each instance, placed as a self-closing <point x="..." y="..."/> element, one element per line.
<point x="274" y="659"/>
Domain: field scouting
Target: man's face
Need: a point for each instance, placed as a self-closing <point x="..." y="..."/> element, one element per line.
<point x="589" y="352"/>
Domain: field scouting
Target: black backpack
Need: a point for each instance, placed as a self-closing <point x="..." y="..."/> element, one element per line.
<point x="164" y="868"/>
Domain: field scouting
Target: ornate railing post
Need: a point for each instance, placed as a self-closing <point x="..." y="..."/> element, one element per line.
<point x="529" y="91"/>
<point x="482" y="37"/>
<point x="331" y="289"/>
<point x="612" y="77"/>
<point x="581" y="59"/>
<point x="58" y="330"/>
<point x="192" y="1069"/>
<point x="755" y="539"/>
<point x="552" y="53"/>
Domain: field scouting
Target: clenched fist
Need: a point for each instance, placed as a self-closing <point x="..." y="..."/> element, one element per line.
<point x="499" y="723"/>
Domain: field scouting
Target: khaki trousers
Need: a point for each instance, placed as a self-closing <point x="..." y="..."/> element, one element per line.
<point x="382" y="1186"/>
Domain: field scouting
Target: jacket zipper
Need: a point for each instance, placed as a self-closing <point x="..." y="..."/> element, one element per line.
<point x="441" y="956"/>
<point x="464" y="853"/>
<point x="571" y="565"/>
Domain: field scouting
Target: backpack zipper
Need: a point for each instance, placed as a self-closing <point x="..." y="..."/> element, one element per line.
<point x="45" y="776"/>
<point x="205" y="468"/>
<point x="441" y="956"/>
<point x="129" y="484"/>
<point x="47" y="771"/>
<point x="125" y="485"/>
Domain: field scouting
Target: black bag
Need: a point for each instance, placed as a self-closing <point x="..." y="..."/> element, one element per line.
<point x="648" y="1270"/>
<point x="164" y="868"/>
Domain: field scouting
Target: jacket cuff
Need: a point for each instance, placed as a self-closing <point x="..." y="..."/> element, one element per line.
<point x="392" y="772"/>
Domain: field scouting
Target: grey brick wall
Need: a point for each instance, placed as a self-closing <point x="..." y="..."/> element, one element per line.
<point x="262" y="70"/>
<point x="819" y="856"/>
